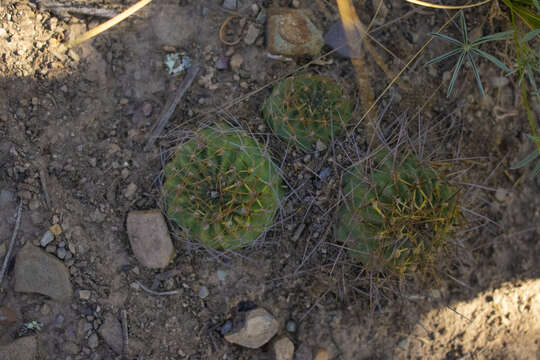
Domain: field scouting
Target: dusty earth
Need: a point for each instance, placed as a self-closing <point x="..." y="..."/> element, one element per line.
<point x="73" y="124"/>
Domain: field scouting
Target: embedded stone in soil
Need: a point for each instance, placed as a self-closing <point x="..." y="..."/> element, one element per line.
<point x="149" y="238"/>
<point x="24" y="348"/>
<point x="38" y="272"/>
<point x="258" y="328"/>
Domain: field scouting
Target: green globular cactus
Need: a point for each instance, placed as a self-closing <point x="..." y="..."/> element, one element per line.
<point x="399" y="218"/>
<point x="307" y="108"/>
<point x="222" y="189"/>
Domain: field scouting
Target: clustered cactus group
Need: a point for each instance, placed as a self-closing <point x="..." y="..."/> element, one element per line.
<point x="222" y="188"/>
<point x="307" y="108"/>
<point x="399" y="218"/>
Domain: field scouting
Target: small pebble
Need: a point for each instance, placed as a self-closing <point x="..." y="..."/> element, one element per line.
<point x="84" y="294"/>
<point x="222" y="63"/>
<point x="230" y="4"/>
<point x="254" y="9"/>
<point x="93" y="341"/>
<point x="47" y="238"/>
<point x="321" y="354"/>
<point x="320" y="146"/>
<point x="222" y="275"/>
<point x="147" y="109"/>
<point x="226" y="328"/>
<point x="203" y="292"/>
<point x="236" y="61"/>
<point x="501" y="195"/>
<point x="252" y="34"/>
<point x="325" y="173"/>
<point x="291" y="326"/>
<point x="61" y="252"/>
<point x="403" y="343"/>
<point x="129" y="193"/>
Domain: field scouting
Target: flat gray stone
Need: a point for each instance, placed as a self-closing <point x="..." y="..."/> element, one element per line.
<point x="38" y="272"/>
<point x="149" y="238"/>
<point x="258" y="328"/>
<point x="25" y="348"/>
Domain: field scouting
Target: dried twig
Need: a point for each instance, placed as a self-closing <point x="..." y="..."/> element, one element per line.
<point x="157" y="293"/>
<point x="110" y="23"/>
<point x="123" y="316"/>
<point x="43" y="178"/>
<point x="62" y="10"/>
<point x="12" y="242"/>
<point x="169" y="108"/>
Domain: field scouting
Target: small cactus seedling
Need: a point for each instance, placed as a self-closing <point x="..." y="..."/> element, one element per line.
<point x="307" y="108"/>
<point x="399" y="220"/>
<point x="221" y="188"/>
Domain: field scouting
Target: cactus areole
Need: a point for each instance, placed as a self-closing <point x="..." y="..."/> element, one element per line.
<point x="398" y="218"/>
<point x="221" y="188"/>
<point x="307" y="108"/>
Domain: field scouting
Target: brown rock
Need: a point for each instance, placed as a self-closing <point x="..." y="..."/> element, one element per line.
<point x="283" y="349"/>
<point x="38" y="272"/>
<point x="236" y="61"/>
<point x="258" y="328"/>
<point x="292" y="33"/>
<point x="24" y="348"/>
<point x="149" y="238"/>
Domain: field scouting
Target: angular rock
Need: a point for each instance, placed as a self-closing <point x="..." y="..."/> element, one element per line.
<point x="47" y="238"/>
<point x="252" y="34"/>
<point x="149" y="238"/>
<point x="259" y="326"/>
<point x="39" y="272"/>
<point x="283" y="349"/>
<point x="24" y="348"/>
<point x="292" y="33"/>
<point x="111" y="332"/>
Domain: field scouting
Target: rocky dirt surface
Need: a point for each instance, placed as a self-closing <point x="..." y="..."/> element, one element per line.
<point x="73" y="126"/>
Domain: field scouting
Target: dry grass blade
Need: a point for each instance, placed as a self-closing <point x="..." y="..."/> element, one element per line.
<point x="110" y="23"/>
<point x="12" y="242"/>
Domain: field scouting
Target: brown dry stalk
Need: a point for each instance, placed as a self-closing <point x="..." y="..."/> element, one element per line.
<point x="351" y="26"/>
<point x="110" y="23"/>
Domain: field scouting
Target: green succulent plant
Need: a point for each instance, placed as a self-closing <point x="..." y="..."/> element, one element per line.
<point x="307" y="108"/>
<point x="222" y="188"/>
<point x="398" y="219"/>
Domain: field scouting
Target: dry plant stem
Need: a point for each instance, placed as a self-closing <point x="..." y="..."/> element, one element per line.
<point x="169" y="108"/>
<point x="350" y="22"/>
<point x="353" y="27"/>
<point x="43" y="179"/>
<point x="64" y="9"/>
<point x="222" y="32"/>
<point x="110" y="23"/>
<point x="447" y="7"/>
<point x="12" y="242"/>
<point x="157" y="293"/>
<point x="125" y="349"/>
